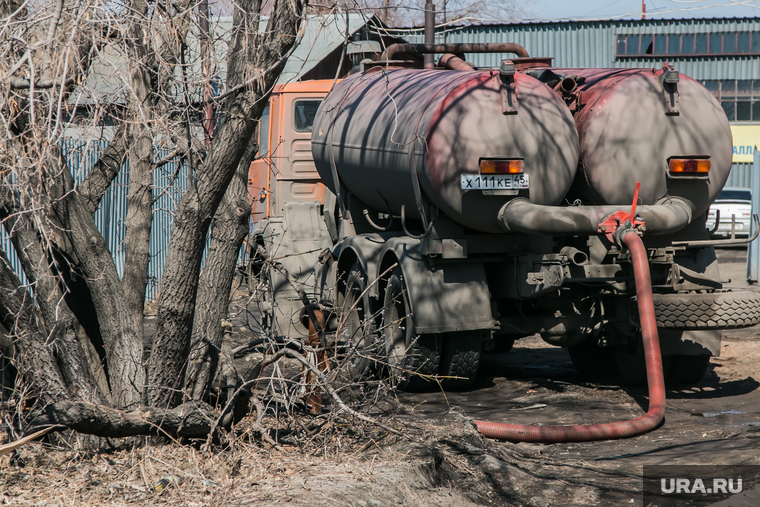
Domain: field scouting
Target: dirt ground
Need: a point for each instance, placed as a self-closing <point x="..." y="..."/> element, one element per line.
<point x="441" y="460"/>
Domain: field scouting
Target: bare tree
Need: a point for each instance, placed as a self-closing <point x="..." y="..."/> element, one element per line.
<point x="77" y="325"/>
<point x="409" y="13"/>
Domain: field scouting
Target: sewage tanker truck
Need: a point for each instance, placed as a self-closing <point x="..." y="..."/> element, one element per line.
<point x="449" y="211"/>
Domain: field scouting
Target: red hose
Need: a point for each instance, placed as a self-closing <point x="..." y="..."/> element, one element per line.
<point x="622" y="429"/>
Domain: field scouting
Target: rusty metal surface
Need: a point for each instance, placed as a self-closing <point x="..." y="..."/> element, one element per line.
<point x="491" y="47"/>
<point x="383" y="128"/>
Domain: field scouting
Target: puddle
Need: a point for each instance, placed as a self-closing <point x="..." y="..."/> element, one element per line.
<point x="715" y="414"/>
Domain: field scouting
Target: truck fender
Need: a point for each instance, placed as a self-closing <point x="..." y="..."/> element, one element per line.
<point x="366" y="249"/>
<point x="444" y="298"/>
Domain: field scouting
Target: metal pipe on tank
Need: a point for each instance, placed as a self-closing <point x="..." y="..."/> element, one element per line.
<point x="429" y="32"/>
<point x="567" y="86"/>
<point x="486" y="47"/>
<point x="453" y="62"/>
<point x="574" y="255"/>
<point x="520" y="215"/>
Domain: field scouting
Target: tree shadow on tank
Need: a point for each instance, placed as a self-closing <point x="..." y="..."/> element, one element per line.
<point x="628" y="137"/>
<point x="468" y="126"/>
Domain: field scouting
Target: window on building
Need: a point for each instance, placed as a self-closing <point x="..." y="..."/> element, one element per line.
<point x="740" y="98"/>
<point x="688" y="44"/>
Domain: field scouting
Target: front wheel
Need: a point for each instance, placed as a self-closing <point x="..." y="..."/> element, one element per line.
<point x="631" y="363"/>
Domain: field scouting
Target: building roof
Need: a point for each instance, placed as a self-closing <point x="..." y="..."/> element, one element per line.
<point x="322" y="36"/>
<point x="531" y="22"/>
<point x="107" y="81"/>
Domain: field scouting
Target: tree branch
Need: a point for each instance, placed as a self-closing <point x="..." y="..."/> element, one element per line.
<point x="104" y="171"/>
<point x="18" y="83"/>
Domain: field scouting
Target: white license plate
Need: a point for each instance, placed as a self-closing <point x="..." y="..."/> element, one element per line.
<point x="494" y="182"/>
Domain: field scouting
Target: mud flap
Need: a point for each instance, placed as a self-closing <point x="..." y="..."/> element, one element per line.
<point x="446" y="297"/>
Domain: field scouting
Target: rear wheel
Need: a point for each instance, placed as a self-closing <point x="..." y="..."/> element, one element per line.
<point x="411" y="358"/>
<point x="460" y="358"/>
<point x="687" y="369"/>
<point x="592" y="360"/>
<point x="632" y="365"/>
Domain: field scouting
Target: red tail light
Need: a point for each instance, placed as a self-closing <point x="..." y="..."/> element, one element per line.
<point x="491" y="166"/>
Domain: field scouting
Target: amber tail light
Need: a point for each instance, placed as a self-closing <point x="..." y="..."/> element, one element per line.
<point x="689" y="166"/>
<point x="501" y="166"/>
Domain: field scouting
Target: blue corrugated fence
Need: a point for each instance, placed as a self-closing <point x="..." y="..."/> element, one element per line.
<point x="169" y="184"/>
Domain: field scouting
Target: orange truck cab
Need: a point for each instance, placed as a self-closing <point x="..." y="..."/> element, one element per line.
<point x="287" y="198"/>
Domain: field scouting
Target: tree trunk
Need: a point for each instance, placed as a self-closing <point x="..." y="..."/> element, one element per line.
<point x="139" y="202"/>
<point x="92" y="258"/>
<point x="179" y="281"/>
<point x="39" y="369"/>
<point x="65" y="335"/>
<point x="192" y="420"/>
<point x="228" y="230"/>
<point x="106" y="168"/>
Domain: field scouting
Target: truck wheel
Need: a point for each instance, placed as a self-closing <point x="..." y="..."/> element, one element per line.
<point x="357" y="333"/>
<point x="592" y="360"/>
<point x="687" y="369"/>
<point x="632" y="365"/>
<point x="410" y="357"/>
<point x="460" y="358"/>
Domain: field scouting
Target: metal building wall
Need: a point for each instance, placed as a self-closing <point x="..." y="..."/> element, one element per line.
<point x="740" y="175"/>
<point x="592" y="44"/>
<point x="169" y="184"/>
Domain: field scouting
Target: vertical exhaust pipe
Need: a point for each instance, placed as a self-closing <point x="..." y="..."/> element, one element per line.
<point x="429" y="32"/>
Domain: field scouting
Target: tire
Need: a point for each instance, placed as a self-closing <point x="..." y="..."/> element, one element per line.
<point x="720" y="310"/>
<point x="592" y="360"/>
<point x="410" y="358"/>
<point x="460" y="358"/>
<point x="631" y="363"/>
<point x="687" y="369"/>
<point x="358" y="337"/>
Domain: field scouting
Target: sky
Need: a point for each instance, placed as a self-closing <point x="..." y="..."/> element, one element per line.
<point x="631" y="9"/>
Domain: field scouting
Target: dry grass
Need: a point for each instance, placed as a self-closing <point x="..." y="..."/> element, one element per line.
<point x="336" y="469"/>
